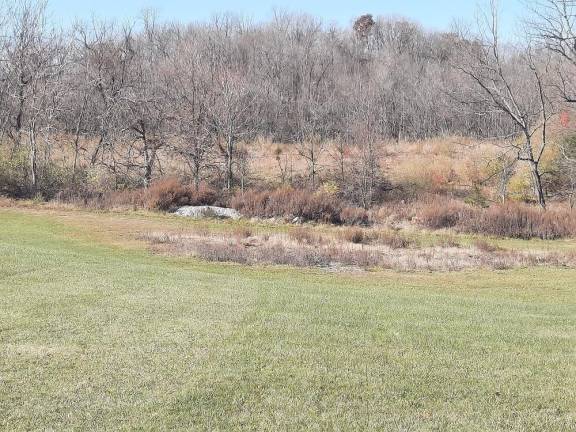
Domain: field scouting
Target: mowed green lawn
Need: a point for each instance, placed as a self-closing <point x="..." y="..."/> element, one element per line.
<point x="95" y="336"/>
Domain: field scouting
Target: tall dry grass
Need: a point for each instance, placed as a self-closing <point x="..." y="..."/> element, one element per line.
<point x="342" y="255"/>
<point x="289" y="203"/>
<point x="516" y="220"/>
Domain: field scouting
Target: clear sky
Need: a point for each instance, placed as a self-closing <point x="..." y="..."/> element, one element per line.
<point x="433" y="14"/>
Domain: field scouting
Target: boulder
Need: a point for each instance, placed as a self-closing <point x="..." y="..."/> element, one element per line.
<point x="200" y="212"/>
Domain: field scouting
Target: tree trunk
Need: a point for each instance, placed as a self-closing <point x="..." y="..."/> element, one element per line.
<point x="33" y="165"/>
<point x="229" y="163"/>
<point x="196" y="178"/>
<point x="537" y="184"/>
<point x="313" y="164"/>
<point x="77" y="140"/>
<point x="96" y="151"/>
<point x="150" y="160"/>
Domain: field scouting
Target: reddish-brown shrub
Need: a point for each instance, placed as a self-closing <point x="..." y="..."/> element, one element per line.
<point x="393" y="212"/>
<point x="443" y="213"/>
<point x="166" y="194"/>
<point x="508" y="220"/>
<point x="169" y="193"/>
<point x="250" y="203"/>
<point x="321" y="207"/>
<point x="521" y="221"/>
<point x="205" y="195"/>
<point x="354" y="216"/>
<point x="288" y="203"/>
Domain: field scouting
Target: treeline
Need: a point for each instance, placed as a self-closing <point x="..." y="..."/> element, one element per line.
<point x="130" y="102"/>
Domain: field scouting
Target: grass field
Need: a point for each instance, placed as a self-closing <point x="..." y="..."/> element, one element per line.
<point x="96" y="333"/>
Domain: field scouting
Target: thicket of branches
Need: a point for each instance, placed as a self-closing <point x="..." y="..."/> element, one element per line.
<point x="129" y="100"/>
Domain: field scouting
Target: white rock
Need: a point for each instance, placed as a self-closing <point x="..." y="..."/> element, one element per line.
<point x="200" y="212"/>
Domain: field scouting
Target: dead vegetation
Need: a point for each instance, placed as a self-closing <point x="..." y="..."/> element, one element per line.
<point x="514" y="220"/>
<point x="289" y="203"/>
<point x="349" y="249"/>
<point x="334" y="247"/>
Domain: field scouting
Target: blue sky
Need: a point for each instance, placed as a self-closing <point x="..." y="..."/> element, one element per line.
<point x="433" y="14"/>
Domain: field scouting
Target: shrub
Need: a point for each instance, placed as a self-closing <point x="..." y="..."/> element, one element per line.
<point x="169" y="193"/>
<point x="521" y="221"/>
<point x="476" y="197"/>
<point x="288" y="203"/>
<point x="14" y="180"/>
<point x="443" y="213"/>
<point x="393" y="212"/>
<point x="250" y="203"/>
<point x="354" y="235"/>
<point x="205" y="195"/>
<point x="15" y="177"/>
<point x="354" y="216"/>
<point x="515" y="220"/>
<point x="319" y="207"/>
<point x="520" y="187"/>
<point x="166" y="194"/>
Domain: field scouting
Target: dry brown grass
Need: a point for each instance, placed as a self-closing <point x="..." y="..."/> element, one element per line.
<point x="486" y="246"/>
<point x="355" y="236"/>
<point x="514" y="220"/>
<point x="300" y="246"/>
<point x="448" y="241"/>
<point x="6" y="202"/>
<point x="302" y="249"/>
<point x="432" y="165"/>
<point x="394" y="240"/>
<point x="306" y="235"/>
<point x="242" y="232"/>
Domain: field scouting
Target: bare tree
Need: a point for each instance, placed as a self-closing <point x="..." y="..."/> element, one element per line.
<point x="106" y="60"/>
<point x="232" y="117"/>
<point x="284" y="163"/>
<point x="553" y="25"/>
<point x="148" y="101"/>
<point x="311" y="148"/>
<point x="187" y="96"/>
<point x="129" y="98"/>
<point x="512" y="82"/>
<point x="506" y="171"/>
<point x="340" y="153"/>
<point x="34" y="61"/>
<point x="196" y="149"/>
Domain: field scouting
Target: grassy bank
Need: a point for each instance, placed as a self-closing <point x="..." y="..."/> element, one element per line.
<point x="96" y="333"/>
